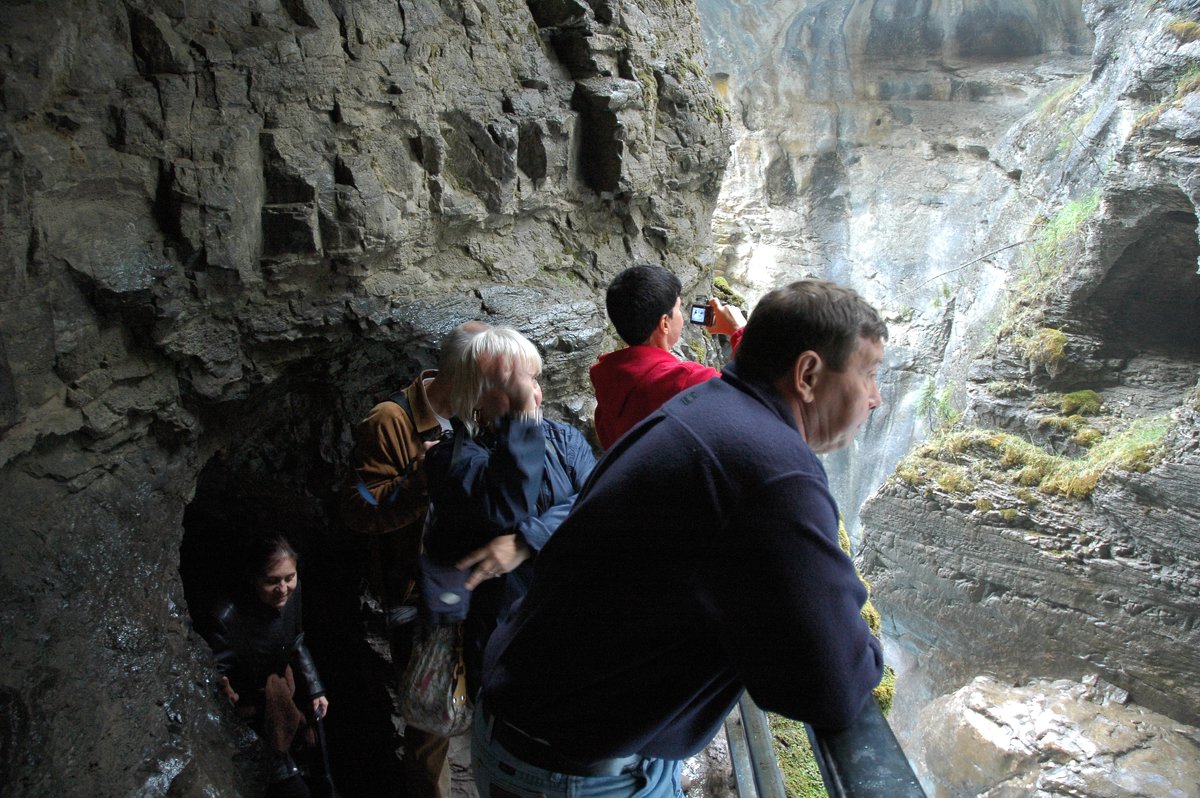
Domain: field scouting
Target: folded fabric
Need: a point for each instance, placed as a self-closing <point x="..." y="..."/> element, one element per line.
<point x="444" y="595"/>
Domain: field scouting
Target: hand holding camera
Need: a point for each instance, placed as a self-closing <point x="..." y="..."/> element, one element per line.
<point x="716" y="317"/>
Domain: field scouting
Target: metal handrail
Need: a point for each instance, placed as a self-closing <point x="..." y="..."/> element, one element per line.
<point x="863" y="760"/>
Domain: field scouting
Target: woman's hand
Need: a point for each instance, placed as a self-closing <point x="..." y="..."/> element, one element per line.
<point x="228" y="691"/>
<point x="320" y="707"/>
<point x="501" y="555"/>
<point x="512" y="390"/>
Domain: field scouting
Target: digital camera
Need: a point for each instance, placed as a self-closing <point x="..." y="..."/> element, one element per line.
<point x="702" y="313"/>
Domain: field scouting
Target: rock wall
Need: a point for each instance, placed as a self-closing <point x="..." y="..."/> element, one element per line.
<point x="870" y="140"/>
<point x="227" y="229"/>
<point x="1052" y="533"/>
<point x="1014" y="184"/>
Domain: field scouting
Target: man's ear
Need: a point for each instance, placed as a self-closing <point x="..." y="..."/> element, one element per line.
<point x="805" y="373"/>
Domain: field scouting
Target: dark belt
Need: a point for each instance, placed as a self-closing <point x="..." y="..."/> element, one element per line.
<point x="534" y="752"/>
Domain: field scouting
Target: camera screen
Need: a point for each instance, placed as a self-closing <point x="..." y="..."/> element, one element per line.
<point x="698" y="313"/>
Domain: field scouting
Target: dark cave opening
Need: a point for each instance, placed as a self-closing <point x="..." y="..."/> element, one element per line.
<point x="277" y="473"/>
<point x="1149" y="301"/>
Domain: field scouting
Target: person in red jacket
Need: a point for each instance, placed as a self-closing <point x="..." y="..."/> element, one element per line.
<point x="643" y="303"/>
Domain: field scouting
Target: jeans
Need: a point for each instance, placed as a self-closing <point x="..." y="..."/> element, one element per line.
<point x="498" y="774"/>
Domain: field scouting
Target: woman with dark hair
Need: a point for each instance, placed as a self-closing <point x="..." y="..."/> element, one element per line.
<point x="266" y="671"/>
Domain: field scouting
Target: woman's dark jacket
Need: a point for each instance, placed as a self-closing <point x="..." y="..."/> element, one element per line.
<point x="252" y="641"/>
<point x="519" y="477"/>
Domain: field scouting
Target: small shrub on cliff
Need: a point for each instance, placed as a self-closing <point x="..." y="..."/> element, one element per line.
<point x="1184" y="30"/>
<point x="1062" y="423"/>
<point x="1046" y="348"/>
<point x="937" y="406"/>
<point x="1082" y="403"/>
<point x="1087" y="437"/>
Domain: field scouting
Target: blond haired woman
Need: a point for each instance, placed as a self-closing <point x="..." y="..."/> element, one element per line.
<point x="501" y="483"/>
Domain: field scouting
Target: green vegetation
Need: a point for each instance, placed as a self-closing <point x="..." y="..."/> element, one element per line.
<point x="1083" y="403"/>
<point x="1006" y="389"/>
<point x="936" y="405"/>
<point x="1047" y="347"/>
<point x="1072" y="132"/>
<point x="1055" y="103"/>
<point x="1070" y="424"/>
<point x="1184" y="30"/>
<point x="1188" y="82"/>
<point x="1087" y="437"/>
<point x="724" y="292"/>
<point x="1045" y="259"/>
<point x="955" y="460"/>
<point x="801" y="776"/>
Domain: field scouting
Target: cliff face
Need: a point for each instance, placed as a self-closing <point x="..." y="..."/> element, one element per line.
<point x="870" y="141"/>
<point x="228" y="229"/>
<point x="1014" y="184"/>
<point x="1052" y="532"/>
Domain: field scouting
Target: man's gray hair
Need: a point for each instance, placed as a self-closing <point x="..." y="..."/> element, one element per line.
<point x="454" y="348"/>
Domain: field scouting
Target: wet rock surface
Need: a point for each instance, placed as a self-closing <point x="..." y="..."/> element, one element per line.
<point x="874" y="147"/>
<point x="1000" y="178"/>
<point x="1048" y="739"/>
<point x="981" y="566"/>
<point x="227" y="230"/>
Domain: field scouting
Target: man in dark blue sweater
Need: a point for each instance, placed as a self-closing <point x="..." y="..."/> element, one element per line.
<point x="700" y="560"/>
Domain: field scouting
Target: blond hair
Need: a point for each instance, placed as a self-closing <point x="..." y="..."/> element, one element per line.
<point x="476" y="371"/>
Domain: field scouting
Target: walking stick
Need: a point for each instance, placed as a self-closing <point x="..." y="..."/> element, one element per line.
<point x="325" y="771"/>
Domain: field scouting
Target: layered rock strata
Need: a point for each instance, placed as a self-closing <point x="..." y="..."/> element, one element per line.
<point x="229" y="228"/>
<point x="871" y="150"/>
<point x="1052" y="532"/>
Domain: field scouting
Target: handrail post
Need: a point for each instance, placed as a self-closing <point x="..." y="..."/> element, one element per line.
<point x="864" y="760"/>
<point x="755" y="768"/>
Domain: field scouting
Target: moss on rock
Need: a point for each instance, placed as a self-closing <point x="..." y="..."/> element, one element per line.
<point x="1082" y="403"/>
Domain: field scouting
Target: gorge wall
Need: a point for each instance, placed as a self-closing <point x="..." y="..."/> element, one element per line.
<point x="227" y="229"/>
<point x="869" y="138"/>
<point x="1060" y="515"/>
<point x="1015" y="185"/>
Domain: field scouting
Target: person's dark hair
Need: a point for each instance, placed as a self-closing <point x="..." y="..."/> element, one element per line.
<point x="638" y="297"/>
<point x="263" y="552"/>
<point x="815" y="315"/>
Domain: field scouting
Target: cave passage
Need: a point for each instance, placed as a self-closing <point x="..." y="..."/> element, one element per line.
<point x="1149" y="302"/>
<point x="277" y="478"/>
